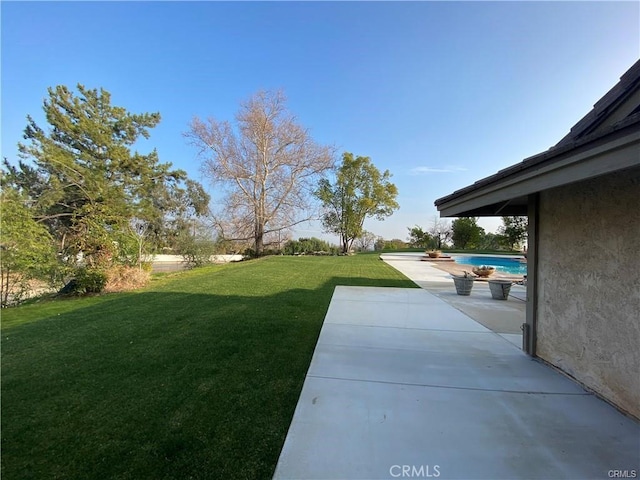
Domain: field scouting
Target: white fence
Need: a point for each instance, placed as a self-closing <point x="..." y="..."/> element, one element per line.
<point x="178" y="258"/>
<point x="172" y="263"/>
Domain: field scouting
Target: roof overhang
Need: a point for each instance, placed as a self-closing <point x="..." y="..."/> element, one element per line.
<point x="506" y="192"/>
<point x="605" y="140"/>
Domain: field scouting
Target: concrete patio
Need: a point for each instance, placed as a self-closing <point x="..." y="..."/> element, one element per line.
<point x="502" y="317"/>
<point x="403" y="384"/>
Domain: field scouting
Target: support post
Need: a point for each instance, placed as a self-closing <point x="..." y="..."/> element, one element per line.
<point x="529" y="336"/>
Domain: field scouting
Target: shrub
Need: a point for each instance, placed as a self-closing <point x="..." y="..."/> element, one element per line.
<point x="395" y="244"/>
<point x="196" y="252"/>
<point x="306" y="246"/>
<point x="86" y="280"/>
<point x="27" y="253"/>
<point x="91" y="280"/>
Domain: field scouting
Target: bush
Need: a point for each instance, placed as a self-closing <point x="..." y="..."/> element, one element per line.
<point x="196" y="252"/>
<point x="27" y="253"/>
<point x="306" y="246"/>
<point x="91" y="280"/>
<point x="86" y="280"/>
<point x="395" y="244"/>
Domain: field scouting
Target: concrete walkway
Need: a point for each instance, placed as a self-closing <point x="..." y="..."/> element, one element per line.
<point x="404" y="385"/>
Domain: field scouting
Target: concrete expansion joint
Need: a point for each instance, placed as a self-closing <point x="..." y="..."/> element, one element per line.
<point x="376" y="347"/>
<point x="382" y="300"/>
<point x="451" y="387"/>
<point x="412" y="328"/>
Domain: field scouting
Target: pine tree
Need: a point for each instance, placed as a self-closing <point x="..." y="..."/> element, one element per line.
<point x="86" y="183"/>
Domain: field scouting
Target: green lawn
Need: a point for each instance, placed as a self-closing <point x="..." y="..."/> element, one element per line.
<point x="196" y="376"/>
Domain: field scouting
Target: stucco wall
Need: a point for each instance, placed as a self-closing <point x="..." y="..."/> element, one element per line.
<point x="589" y="284"/>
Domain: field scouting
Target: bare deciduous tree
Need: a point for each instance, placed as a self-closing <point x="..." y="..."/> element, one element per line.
<point x="365" y="241"/>
<point x="440" y="231"/>
<point x="267" y="167"/>
<point x="139" y="229"/>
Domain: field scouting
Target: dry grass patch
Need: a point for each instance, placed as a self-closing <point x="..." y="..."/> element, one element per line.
<point x="121" y="278"/>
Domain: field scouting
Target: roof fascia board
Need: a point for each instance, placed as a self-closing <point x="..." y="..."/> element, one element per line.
<point x="518" y="210"/>
<point x="618" y="154"/>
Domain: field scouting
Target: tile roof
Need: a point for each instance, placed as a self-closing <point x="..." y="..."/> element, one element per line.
<point x="627" y="85"/>
<point x="590" y="128"/>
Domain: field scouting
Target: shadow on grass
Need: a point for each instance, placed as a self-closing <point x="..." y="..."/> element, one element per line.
<point x="160" y="384"/>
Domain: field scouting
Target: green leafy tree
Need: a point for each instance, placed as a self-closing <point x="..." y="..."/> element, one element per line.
<point x="360" y="191"/>
<point x="492" y="241"/>
<point x="86" y="183"/>
<point x="418" y="238"/>
<point x="176" y="208"/>
<point x="394" y="244"/>
<point x="26" y="248"/>
<point x="514" y="231"/>
<point x="466" y="233"/>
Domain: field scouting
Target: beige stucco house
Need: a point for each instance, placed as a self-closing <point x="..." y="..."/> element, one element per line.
<point x="582" y="197"/>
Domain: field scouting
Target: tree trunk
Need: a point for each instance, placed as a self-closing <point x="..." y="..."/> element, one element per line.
<point x="259" y="246"/>
<point x="4" y="288"/>
<point x="259" y="240"/>
<point x="345" y="244"/>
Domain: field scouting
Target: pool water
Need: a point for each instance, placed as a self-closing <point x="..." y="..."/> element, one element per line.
<point x="512" y="266"/>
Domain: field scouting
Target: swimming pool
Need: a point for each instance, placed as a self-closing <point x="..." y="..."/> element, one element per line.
<point x="512" y="266"/>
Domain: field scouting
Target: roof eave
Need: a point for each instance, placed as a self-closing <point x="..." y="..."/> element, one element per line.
<point x="588" y="158"/>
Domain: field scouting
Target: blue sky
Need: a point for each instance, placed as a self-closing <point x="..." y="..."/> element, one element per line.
<point x="440" y="93"/>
